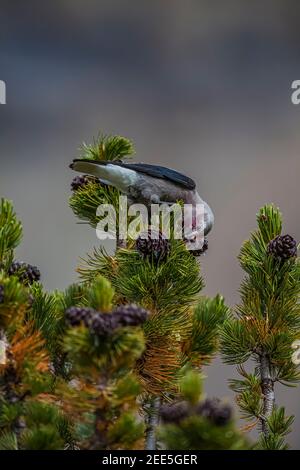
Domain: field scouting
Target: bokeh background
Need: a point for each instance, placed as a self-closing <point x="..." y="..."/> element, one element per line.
<point x="201" y="86"/>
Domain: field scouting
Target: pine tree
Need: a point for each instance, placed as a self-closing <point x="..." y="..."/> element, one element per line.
<point x="266" y="326"/>
<point x="162" y="277"/>
<point x="101" y="347"/>
<point x="66" y="359"/>
<point x="114" y="361"/>
<point x="27" y="420"/>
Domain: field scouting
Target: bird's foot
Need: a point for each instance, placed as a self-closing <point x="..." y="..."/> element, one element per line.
<point x="202" y="250"/>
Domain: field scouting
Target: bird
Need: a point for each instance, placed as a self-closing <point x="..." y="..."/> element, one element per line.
<point x="148" y="184"/>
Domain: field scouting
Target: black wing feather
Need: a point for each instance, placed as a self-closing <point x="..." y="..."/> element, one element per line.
<point x="161" y="172"/>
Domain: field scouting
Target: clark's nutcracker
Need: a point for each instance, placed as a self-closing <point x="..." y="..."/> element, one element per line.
<point x="150" y="184"/>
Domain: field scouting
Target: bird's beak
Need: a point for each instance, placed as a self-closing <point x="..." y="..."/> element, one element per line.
<point x="71" y="166"/>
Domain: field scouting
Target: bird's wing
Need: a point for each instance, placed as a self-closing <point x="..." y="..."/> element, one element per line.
<point x="161" y="172"/>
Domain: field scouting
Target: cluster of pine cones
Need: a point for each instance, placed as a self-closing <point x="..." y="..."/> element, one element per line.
<point x="104" y="324"/>
<point x="26" y="273"/>
<point x="213" y="409"/>
<point x="79" y="182"/>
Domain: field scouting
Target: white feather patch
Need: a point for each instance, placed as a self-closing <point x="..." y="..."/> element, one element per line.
<point x="121" y="177"/>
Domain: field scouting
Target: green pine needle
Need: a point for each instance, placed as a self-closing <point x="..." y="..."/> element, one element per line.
<point x="107" y="147"/>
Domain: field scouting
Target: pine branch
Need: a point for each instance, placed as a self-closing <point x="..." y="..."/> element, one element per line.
<point x="152" y="423"/>
<point x="108" y="147"/>
<point x="10" y="232"/>
<point x="208" y="318"/>
<point x="121" y="243"/>
<point x="267" y="387"/>
<point x="267" y="323"/>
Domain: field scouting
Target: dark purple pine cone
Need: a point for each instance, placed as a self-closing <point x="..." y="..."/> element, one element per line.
<point x="222" y="415"/>
<point x="81" y="181"/>
<point x="218" y="413"/>
<point x="26" y="273"/>
<point x="175" y="412"/>
<point x="1" y="294"/>
<point x="103" y="324"/>
<point x="153" y="246"/>
<point x="283" y="247"/>
<point x="130" y="315"/>
<point x="76" y="316"/>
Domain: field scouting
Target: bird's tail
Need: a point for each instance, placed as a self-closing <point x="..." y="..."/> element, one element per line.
<point x="90" y="167"/>
<point x="108" y="172"/>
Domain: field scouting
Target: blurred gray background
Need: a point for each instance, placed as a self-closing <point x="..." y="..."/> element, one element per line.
<point x="201" y="86"/>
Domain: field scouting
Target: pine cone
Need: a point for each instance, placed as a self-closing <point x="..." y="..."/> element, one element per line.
<point x="26" y="273"/>
<point x="82" y="180"/>
<point x="1" y="294"/>
<point x="218" y="413"/>
<point x="283" y="247"/>
<point x="154" y="247"/>
<point x="175" y="412"/>
<point x="103" y="324"/>
<point x="76" y="316"/>
<point x="130" y="315"/>
<point x="222" y="415"/>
